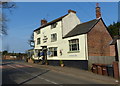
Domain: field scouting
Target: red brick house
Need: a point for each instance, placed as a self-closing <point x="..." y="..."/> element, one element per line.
<point x="98" y="40"/>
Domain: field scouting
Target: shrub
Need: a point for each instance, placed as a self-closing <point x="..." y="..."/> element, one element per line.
<point x="61" y="62"/>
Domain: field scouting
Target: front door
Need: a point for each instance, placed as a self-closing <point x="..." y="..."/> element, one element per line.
<point x="44" y="50"/>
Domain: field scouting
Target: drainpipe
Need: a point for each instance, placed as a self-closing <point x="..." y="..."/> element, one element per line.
<point x="86" y="48"/>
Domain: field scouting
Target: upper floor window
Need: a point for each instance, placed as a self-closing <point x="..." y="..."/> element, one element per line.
<point x="53" y="25"/>
<point x="38" y="31"/>
<point x="38" y="41"/>
<point x="74" y="45"/>
<point x="53" y="37"/>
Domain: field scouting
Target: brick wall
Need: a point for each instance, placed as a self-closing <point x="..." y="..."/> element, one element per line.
<point x="98" y="41"/>
<point x="116" y="70"/>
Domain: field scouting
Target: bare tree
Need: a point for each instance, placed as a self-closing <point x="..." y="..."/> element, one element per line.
<point x="3" y="18"/>
<point x="31" y="40"/>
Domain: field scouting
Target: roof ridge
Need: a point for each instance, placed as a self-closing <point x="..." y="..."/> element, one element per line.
<point x="84" y="28"/>
<point x="59" y="17"/>
<point x="55" y="20"/>
<point x="89" y="21"/>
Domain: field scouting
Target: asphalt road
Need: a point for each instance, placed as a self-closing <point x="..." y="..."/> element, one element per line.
<point x="22" y="73"/>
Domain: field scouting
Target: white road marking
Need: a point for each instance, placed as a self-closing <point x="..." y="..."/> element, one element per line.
<point x="34" y="75"/>
<point x="17" y="65"/>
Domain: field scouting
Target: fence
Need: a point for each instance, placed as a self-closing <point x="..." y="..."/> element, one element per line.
<point x="100" y="60"/>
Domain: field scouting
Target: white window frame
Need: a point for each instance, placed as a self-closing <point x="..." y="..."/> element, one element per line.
<point x="53" y="37"/>
<point x="53" y="25"/>
<point x="74" y="45"/>
<point x="38" y="31"/>
<point x="52" y="51"/>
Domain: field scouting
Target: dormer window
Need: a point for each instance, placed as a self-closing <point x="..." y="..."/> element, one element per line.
<point x="53" y="25"/>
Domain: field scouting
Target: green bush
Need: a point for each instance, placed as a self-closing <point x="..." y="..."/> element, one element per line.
<point x="46" y="61"/>
<point x="61" y="62"/>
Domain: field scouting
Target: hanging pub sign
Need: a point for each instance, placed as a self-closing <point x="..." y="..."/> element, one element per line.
<point x="32" y="44"/>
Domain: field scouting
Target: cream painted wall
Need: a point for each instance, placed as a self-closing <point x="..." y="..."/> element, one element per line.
<point x="63" y="44"/>
<point x="47" y="31"/>
<point x="118" y="47"/>
<point x="64" y="47"/>
<point x="69" y="22"/>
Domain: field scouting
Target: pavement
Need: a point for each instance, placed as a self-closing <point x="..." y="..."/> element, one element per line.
<point x="81" y="73"/>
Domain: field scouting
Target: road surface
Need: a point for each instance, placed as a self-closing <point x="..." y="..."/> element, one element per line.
<point x="19" y="72"/>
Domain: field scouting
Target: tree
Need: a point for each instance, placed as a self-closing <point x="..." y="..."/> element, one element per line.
<point x="3" y="18"/>
<point x="31" y="40"/>
<point x="5" y="52"/>
<point x="114" y="29"/>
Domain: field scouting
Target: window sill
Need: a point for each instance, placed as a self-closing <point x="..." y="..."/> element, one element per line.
<point x="52" y="56"/>
<point x="73" y="51"/>
<point x="53" y="41"/>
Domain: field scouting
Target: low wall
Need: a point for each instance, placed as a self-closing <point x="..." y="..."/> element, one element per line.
<point x="81" y="64"/>
<point x="100" y="60"/>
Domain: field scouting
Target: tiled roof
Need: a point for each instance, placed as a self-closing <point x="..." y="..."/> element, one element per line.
<point x="114" y="41"/>
<point x="49" y="23"/>
<point x="82" y="28"/>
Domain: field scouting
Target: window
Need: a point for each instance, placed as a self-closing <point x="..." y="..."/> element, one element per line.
<point x="53" y="51"/>
<point x="74" y="45"/>
<point x="38" y="31"/>
<point x="53" y="37"/>
<point x="38" y="41"/>
<point x="36" y="53"/>
<point x="53" y="25"/>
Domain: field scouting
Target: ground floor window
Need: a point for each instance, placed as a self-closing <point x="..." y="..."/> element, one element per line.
<point x="53" y="51"/>
<point x="74" y="45"/>
<point x="37" y="53"/>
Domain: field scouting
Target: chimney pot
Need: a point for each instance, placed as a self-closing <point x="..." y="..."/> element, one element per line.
<point x="98" y="12"/>
<point x="43" y="22"/>
<point x="71" y="11"/>
<point x="97" y="4"/>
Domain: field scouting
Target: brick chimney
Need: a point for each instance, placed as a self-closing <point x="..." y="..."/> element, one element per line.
<point x="69" y="11"/>
<point x="98" y="12"/>
<point x="43" y="22"/>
